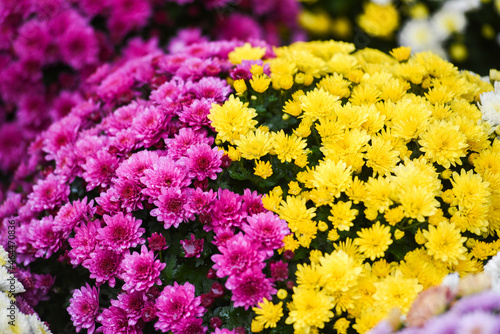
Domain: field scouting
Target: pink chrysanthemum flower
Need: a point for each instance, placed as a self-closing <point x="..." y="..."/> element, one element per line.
<point x="84" y="242"/>
<point x="60" y="134"/>
<point x="250" y="287"/>
<point x="203" y="162"/>
<point x="79" y="46"/>
<point x="149" y="125"/>
<point x="252" y="202"/>
<point x="157" y="242"/>
<point x="191" y="325"/>
<point x="88" y="145"/>
<point x="72" y="214"/>
<point x="123" y="117"/>
<point x="121" y="232"/>
<point x="43" y="237"/>
<point x="164" y="173"/>
<point x="176" y="303"/>
<point x="128" y="193"/>
<point x="166" y="96"/>
<point x="192" y="247"/>
<point x="279" y="270"/>
<point x="116" y="84"/>
<point x="238" y="254"/>
<point x="48" y="194"/>
<point x="104" y="265"/>
<point x="141" y="271"/>
<point x="84" y="308"/>
<point x="115" y="320"/>
<point x="213" y="89"/>
<point x="134" y="167"/>
<point x="195" y="114"/>
<point x="67" y="166"/>
<point x="187" y="137"/>
<point x="99" y="170"/>
<point x="33" y="40"/>
<point x="227" y="210"/>
<point x="132" y="303"/>
<point x="268" y="229"/>
<point x="124" y="142"/>
<point x="222" y="236"/>
<point x="108" y="201"/>
<point x="173" y="207"/>
<point x="200" y="201"/>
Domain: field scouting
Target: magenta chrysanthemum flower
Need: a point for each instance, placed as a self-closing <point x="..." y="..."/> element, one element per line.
<point x="279" y="270"/>
<point x="115" y="320"/>
<point x="213" y="89"/>
<point x="132" y="303"/>
<point x="227" y="210"/>
<point x="72" y="214"/>
<point x="88" y="145"/>
<point x="84" y="308"/>
<point x="187" y="137"/>
<point x="99" y="170"/>
<point x="128" y="193"/>
<point x="121" y="232"/>
<point x="33" y="40"/>
<point x="48" y="194"/>
<point x="157" y="242"/>
<point x="133" y="168"/>
<point x="124" y="141"/>
<point x="192" y="247"/>
<point x="252" y="202"/>
<point x="195" y="114"/>
<point x="79" y="46"/>
<point x="176" y="303"/>
<point x="164" y="173"/>
<point x="238" y="254"/>
<point x="67" y="166"/>
<point x="200" y="201"/>
<point x="43" y="237"/>
<point x="108" y="201"/>
<point x="268" y="229"/>
<point x="141" y="271"/>
<point x="191" y="325"/>
<point x="167" y="95"/>
<point x="149" y="125"/>
<point x="250" y="287"/>
<point x="84" y="242"/>
<point x="203" y="162"/>
<point x="173" y="207"/>
<point x="60" y="134"/>
<point x="123" y="117"/>
<point x="104" y="265"/>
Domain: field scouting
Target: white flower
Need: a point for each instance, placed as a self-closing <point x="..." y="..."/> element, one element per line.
<point x="446" y="22"/>
<point x="419" y="35"/>
<point x="462" y="5"/>
<point x="381" y="2"/>
<point x="490" y="106"/>
<point x="492" y="268"/>
<point x="9" y="283"/>
<point x="451" y="281"/>
<point x="36" y="325"/>
<point x="4" y="256"/>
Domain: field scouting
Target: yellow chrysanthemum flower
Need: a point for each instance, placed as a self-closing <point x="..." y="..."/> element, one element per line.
<point x="309" y="276"/>
<point x="263" y="169"/>
<point x="309" y="308"/>
<point x="401" y="53"/>
<point x="246" y="52"/>
<point x="394" y="215"/>
<point x="445" y="243"/>
<point x="342" y="215"/>
<point x="381" y="156"/>
<point x="396" y="291"/>
<point x="260" y="83"/>
<point x="268" y="314"/>
<point x="295" y="212"/>
<point x="443" y="143"/>
<point x="417" y="202"/>
<point x="374" y="241"/>
<point x="379" y="20"/>
<point x="341" y="325"/>
<point x="318" y="104"/>
<point x="340" y="271"/>
<point x="420" y="265"/>
<point x="232" y="119"/>
<point x="335" y="177"/>
<point x="254" y="144"/>
<point x="287" y="148"/>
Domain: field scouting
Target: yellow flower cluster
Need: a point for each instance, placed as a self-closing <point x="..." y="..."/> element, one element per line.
<point x="386" y="174"/>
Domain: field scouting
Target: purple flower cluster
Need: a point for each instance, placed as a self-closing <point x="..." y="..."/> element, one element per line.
<point x="137" y="156"/>
<point x="49" y="48"/>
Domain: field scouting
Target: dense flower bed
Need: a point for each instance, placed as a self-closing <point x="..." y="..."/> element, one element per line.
<point x="124" y="189"/>
<point x="384" y="167"/>
<point x="49" y="47"/>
